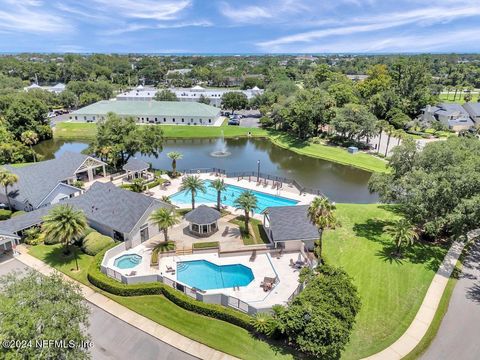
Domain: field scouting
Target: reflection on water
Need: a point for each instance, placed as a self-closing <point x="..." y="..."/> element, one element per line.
<point x="339" y="182"/>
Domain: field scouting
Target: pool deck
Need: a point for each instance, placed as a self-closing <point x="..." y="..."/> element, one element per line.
<point x="287" y="191"/>
<point x="264" y="265"/>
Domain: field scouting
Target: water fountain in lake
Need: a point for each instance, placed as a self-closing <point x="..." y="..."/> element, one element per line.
<point x="222" y="150"/>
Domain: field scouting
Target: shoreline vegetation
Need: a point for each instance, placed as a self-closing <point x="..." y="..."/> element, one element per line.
<point x="70" y="131"/>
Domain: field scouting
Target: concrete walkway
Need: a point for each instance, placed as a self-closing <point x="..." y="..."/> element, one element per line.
<point x="419" y="326"/>
<point x="457" y="337"/>
<point x="158" y="331"/>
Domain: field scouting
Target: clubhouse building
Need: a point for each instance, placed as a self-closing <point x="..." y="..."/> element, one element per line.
<point x="151" y="112"/>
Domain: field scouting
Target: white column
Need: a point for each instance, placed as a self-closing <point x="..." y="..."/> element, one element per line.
<point x="104" y="172"/>
<point x="90" y="174"/>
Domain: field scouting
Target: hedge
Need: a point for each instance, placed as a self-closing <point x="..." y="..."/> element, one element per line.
<point x="95" y="242"/>
<point x="102" y="281"/>
<point x="206" y="245"/>
<point x="5" y="214"/>
<point x="17" y="213"/>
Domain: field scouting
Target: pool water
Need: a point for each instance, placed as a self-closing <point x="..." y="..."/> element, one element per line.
<point x="204" y="275"/>
<point x="264" y="200"/>
<point x="127" y="261"/>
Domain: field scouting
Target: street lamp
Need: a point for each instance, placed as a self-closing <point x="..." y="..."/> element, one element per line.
<point x="258" y="171"/>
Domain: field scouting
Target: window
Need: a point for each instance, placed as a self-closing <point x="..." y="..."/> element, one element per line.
<point x="84" y="118"/>
<point x="156" y="120"/>
<point x="164" y="119"/>
<point x="93" y="117"/>
<point x="209" y="120"/>
<point x="173" y="119"/>
<point x="70" y="118"/>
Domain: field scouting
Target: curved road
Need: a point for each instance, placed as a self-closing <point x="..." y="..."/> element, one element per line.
<point x="113" y="338"/>
<point x="458" y="336"/>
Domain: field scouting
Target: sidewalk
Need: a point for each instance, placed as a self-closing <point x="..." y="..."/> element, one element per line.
<point x="419" y="326"/>
<point x="150" y="327"/>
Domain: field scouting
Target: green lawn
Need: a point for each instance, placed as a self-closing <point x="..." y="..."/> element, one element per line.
<point x="258" y="237"/>
<point x="331" y="153"/>
<point x="459" y="99"/>
<point x="391" y="290"/>
<point x="205" y="245"/>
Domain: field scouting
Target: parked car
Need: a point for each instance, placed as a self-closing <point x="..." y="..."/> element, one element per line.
<point x="234" y="122"/>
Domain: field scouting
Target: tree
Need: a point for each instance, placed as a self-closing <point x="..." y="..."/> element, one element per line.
<point x="401" y="232"/>
<point x="7" y="179"/>
<point x="390" y="130"/>
<point x="174" y="156"/>
<point x="318" y="321"/>
<point x="321" y="213"/>
<point x="203" y="100"/>
<point x="30" y="138"/>
<point x="165" y="218"/>
<point x="64" y="224"/>
<point x="137" y="185"/>
<point x="88" y="98"/>
<point x="246" y="201"/>
<point x="437" y="189"/>
<point x="123" y="139"/>
<point x="219" y="186"/>
<point x="193" y="184"/>
<point x="234" y="101"/>
<point x="36" y="307"/>
<point x="381" y="125"/>
<point x="355" y="121"/>
<point x="165" y="95"/>
<point x="25" y="113"/>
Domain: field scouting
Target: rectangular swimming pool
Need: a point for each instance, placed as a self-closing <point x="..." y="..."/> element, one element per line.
<point x="264" y="200"/>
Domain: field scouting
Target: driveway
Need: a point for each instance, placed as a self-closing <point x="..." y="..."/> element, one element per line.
<point x="114" y="338"/>
<point x="457" y="337"/>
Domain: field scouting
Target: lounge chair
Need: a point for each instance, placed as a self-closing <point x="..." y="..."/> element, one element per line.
<point x="267" y="283"/>
<point x="132" y="273"/>
<point x="170" y="269"/>
<point x="292" y="263"/>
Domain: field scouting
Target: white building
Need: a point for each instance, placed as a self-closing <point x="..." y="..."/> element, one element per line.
<point x="186" y="95"/>
<point x="56" y="89"/>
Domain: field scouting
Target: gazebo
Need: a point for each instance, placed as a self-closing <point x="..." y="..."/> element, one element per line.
<point x="136" y="168"/>
<point x="203" y="220"/>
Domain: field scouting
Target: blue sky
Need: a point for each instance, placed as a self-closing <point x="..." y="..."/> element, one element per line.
<point x="240" y="26"/>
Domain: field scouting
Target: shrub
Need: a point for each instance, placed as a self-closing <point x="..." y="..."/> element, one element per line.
<point x="155" y="182"/>
<point x="206" y="245"/>
<point x="160" y="248"/>
<point x="102" y="281"/>
<point x="5" y="214"/>
<point x="264" y="323"/>
<point x="32" y="236"/>
<point x="95" y="242"/>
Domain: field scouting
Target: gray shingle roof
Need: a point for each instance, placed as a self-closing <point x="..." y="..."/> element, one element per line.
<point x="203" y="215"/>
<point x="291" y="223"/>
<point x="103" y="203"/>
<point x="136" y="165"/>
<point x="35" y="181"/>
<point x="473" y="108"/>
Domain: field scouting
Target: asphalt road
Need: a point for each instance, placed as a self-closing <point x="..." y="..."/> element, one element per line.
<point x="458" y="335"/>
<point x="114" y="338"/>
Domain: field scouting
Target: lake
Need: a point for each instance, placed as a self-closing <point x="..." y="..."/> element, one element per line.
<point x="339" y="182"/>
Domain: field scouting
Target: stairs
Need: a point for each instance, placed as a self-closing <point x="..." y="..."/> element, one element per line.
<point x="183" y="251"/>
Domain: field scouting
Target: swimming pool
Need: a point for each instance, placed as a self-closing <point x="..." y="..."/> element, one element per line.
<point x="204" y="275"/>
<point x="127" y="261"/>
<point x="264" y="200"/>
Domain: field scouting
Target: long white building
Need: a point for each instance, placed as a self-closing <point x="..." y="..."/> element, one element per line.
<point x="193" y="94"/>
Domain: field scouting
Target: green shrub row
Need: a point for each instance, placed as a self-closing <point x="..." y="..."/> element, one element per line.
<point x="5" y="214"/>
<point x="155" y="182"/>
<point x="102" y="281"/>
<point x="206" y="245"/>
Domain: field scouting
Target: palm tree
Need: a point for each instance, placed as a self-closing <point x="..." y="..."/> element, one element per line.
<point x="321" y="213"/>
<point x="381" y="124"/>
<point x="220" y="186"/>
<point x="400" y="135"/>
<point x="389" y="130"/>
<point x="174" y="155"/>
<point x="7" y="179"/>
<point x="402" y="232"/>
<point x="246" y="201"/>
<point x="193" y="184"/>
<point x="30" y="138"/>
<point x="165" y="218"/>
<point x="137" y="185"/>
<point x="64" y="224"/>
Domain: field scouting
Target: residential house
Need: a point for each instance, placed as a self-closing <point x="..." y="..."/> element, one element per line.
<point x="453" y="116"/>
<point x="473" y="109"/>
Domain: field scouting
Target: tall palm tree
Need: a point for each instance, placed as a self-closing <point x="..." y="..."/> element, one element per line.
<point x="402" y="232"/>
<point x="64" y="224"/>
<point x="30" y="138"/>
<point x="381" y="125"/>
<point x="400" y="135"/>
<point x="389" y="130"/>
<point x="321" y="213"/>
<point x="7" y="179"/>
<point x="165" y="218"/>
<point x="220" y="186"/>
<point x="193" y="184"/>
<point x="246" y="201"/>
<point x="174" y="155"/>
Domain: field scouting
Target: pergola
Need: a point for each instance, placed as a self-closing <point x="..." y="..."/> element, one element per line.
<point x="90" y="165"/>
<point x="203" y="220"/>
<point x="136" y="168"/>
<point x="8" y="241"/>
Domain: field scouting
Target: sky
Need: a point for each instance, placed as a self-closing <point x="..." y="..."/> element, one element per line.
<point x="240" y="26"/>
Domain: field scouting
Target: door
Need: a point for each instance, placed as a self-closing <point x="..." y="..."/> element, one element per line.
<point x="144" y="234"/>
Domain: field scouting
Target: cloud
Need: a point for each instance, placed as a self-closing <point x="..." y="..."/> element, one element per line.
<point x="138" y="27"/>
<point x="30" y="17"/>
<point x="419" y="17"/>
<point x="146" y="9"/>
